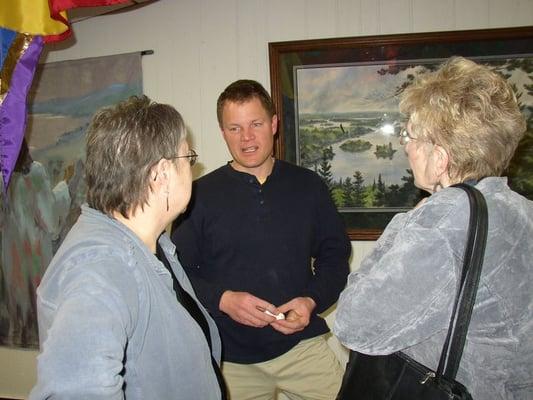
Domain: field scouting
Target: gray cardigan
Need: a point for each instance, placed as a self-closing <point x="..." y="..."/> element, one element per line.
<point x="110" y="324"/>
<point x="401" y="297"/>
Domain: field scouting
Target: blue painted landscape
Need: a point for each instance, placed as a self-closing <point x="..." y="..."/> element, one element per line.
<point x="48" y="185"/>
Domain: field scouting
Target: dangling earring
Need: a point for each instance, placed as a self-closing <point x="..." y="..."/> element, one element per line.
<point x="167" y="198"/>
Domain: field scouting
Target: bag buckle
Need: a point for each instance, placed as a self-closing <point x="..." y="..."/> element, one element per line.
<point x="427" y="377"/>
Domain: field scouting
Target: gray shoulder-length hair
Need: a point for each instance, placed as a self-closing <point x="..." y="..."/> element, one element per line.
<point x="124" y="142"/>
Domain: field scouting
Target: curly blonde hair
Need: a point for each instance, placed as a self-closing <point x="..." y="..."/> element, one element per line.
<point x="470" y="111"/>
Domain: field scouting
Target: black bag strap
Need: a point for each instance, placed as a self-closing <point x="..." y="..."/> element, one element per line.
<point x="191" y="306"/>
<point x="452" y="350"/>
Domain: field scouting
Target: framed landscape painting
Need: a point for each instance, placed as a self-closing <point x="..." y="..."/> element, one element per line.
<point x="337" y="100"/>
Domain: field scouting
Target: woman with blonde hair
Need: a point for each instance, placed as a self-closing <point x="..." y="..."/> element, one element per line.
<point x="464" y="126"/>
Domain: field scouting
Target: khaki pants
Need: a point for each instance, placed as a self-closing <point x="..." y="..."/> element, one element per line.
<point x="309" y="371"/>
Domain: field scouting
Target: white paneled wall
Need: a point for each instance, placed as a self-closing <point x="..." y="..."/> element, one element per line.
<point x="200" y="46"/>
<point x="203" y="45"/>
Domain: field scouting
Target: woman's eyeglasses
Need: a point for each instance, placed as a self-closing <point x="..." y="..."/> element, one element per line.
<point x="405" y="137"/>
<point x="192" y="156"/>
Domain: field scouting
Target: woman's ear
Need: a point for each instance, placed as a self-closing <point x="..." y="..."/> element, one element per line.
<point x="442" y="161"/>
<point x="159" y="172"/>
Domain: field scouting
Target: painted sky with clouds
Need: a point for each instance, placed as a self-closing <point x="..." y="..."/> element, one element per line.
<point x="360" y="88"/>
<point x="347" y="89"/>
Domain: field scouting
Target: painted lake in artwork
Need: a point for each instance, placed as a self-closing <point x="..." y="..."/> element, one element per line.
<point x="347" y="126"/>
<point x="375" y="132"/>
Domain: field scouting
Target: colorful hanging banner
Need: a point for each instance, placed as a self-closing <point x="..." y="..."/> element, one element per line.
<point x="58" y="8"/>
<point x="32" y="17"/>
<point x="44" y="17"/>
<point x="24" y="26"/>
<point x="19" y="56"/>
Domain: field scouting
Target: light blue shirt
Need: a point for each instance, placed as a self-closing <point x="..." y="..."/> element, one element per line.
<point x="401" y="297"/>
<point x="110" y="324"/>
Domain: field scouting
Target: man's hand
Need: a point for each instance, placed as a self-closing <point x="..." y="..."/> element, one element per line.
<point x="247" y="309"/>
<point x="297" y="315"/>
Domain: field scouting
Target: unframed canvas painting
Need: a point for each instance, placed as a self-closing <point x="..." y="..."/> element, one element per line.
<point x="47" y="188"/>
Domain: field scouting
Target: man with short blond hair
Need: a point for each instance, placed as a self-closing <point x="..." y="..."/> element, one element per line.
<point x="266" y="251"/>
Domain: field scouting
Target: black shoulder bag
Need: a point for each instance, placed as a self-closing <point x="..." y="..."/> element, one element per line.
<point x="397" y="376"/>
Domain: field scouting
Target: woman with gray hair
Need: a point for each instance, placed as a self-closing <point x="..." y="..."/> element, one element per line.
<point x="117" y="315"/>
<point x="464" y="126"/>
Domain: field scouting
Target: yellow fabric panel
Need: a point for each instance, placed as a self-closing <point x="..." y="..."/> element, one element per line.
<point x="30" y="16"/>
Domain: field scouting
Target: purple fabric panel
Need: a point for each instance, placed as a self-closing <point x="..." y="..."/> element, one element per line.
<point x="13" y="109"/>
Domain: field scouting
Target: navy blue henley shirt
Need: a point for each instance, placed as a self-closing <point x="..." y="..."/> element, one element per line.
<point x="279" y="240"/>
